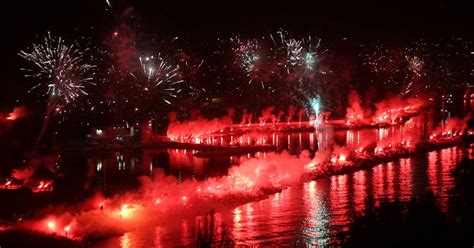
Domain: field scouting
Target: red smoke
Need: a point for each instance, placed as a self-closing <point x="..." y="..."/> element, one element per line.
<point x="354" y="113"/>
<point x="17" y="113"/>
<point x="195" y="129"/>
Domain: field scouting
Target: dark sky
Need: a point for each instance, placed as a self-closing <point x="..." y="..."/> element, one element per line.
<point x="436" y="16"/>
<point x="22" y="21"/>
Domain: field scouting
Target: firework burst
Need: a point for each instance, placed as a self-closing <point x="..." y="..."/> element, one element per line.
<point x="247" y="56"/>
<point x="419" y="66"/>
<point x="156" y="76"/>
<point x="415" y="64"/>
<point x="60" y="68"/>
<point x="62" y="72"/>
<point x="300" y="54"/>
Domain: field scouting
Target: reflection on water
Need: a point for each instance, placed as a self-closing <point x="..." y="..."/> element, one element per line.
<point x="121" y="170"/>
<point x="310" y="214"/>
<point x="315" y="212"/>
<point x="439" y="174"/>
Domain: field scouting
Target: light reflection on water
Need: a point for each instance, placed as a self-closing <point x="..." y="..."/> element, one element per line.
<point x="119" y="171"/>
<point x="315" y="212"/>
<point x="310" y="214"/>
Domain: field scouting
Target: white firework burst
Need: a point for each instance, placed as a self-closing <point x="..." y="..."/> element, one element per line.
<point x="61" y="69"/>
<point x="157" y="76"/>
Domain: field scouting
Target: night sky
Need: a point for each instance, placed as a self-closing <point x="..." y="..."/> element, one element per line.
<point x="202" y="22"/>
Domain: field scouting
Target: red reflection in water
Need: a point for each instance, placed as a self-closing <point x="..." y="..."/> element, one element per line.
<point x="390" y="180"/>
<point x="360" y="190"/>
<point x="316" y="221"/>
<point x="377" y="183"/>
<point x="339" y="199"/>
<point x="185" y="232"/>
<point x="159" y="232"/>
<point x="434" y="172"/>
<point x="440" y="167"/>
<point x="125" y="241"/>
<point x="311" y="141"/>
<point x="186" y="160"/>
<point x="313" y="213"/>
<point x="405" y="179"/>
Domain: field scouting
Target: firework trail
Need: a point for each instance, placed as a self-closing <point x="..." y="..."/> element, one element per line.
<point x="62" y="72"/>
<point x="415" y="66"/>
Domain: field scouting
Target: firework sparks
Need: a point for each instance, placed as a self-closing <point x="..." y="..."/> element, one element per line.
<point x="300" y="53"/>
<point x="61" y="69"/>
<point x="62" y="73"/>
<point x="158" y="76"/>
<point x="415" y="64"/>
<point x="247" y="55"/>
<point x="315" y="104"/>
<point x="420" y="66"/>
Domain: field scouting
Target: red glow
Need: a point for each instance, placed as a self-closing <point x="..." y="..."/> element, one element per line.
<point x="18" y="113"/>
<point x="274" y="172"/>
<point x="43" y="186"/>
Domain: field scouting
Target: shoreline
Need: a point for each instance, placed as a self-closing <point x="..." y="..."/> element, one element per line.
<point x="323" y="170"/>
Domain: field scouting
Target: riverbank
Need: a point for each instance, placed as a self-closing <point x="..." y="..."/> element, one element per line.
<point x="215" y="194"/>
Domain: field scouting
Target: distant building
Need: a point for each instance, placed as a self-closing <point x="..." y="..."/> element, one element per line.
<point x="124" y="135"/>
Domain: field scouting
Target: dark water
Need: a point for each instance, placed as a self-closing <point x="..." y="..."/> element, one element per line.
<point x="305" y="215"/>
